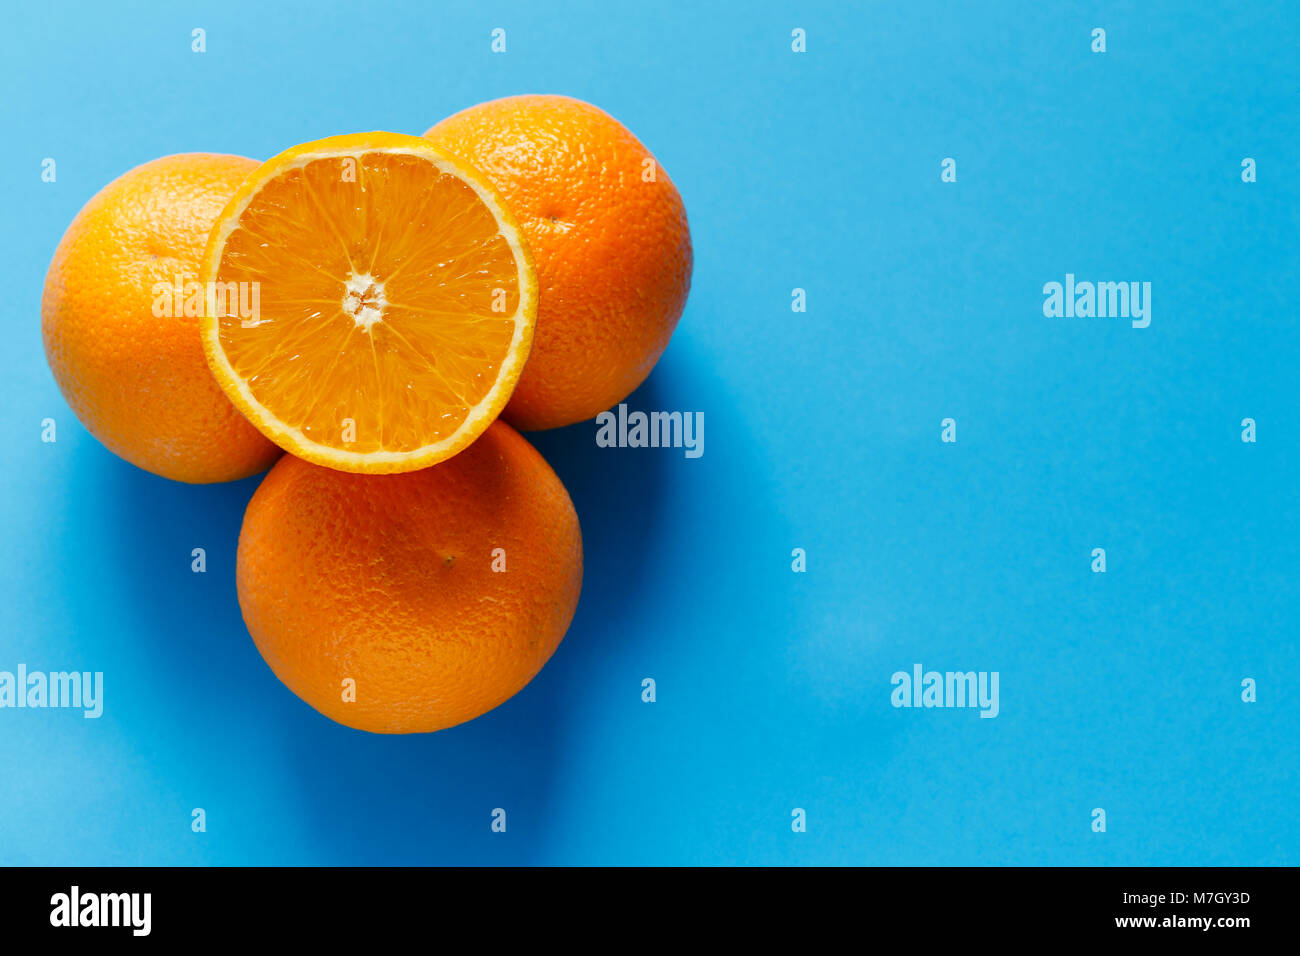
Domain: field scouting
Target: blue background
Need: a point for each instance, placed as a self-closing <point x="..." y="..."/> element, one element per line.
<point x="818" y="171"/>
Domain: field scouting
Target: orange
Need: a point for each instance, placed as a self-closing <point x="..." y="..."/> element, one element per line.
<point x="395" y="295"/>
<point x="124" y="349"/>
<point x="431" y="597"/>
<point x="609" y="234"/>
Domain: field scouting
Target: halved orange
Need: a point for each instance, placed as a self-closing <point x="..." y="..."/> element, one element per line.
<point x="370" y="302"/>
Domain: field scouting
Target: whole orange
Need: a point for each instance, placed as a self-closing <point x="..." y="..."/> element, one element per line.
<point x="608" y="231"/>
<point x="124" y="351"/>
<point x="412" y="602"/>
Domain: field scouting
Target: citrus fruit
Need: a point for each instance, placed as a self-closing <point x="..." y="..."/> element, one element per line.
<point x="397" y="302"/>
<point x="428" y="597"/>
<point x="608" y="231"/>
<point x="123" y="346"/>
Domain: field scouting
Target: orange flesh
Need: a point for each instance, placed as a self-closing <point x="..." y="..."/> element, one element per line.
<point x="387" y="299"/>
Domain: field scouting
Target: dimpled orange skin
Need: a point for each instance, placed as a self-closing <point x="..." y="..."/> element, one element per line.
<point x="140" y="383"/>
<point x="388" y="580"/>
<point x="613" y="252"/>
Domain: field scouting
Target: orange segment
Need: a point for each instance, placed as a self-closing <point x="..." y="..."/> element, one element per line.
<point x="371" y="302"/>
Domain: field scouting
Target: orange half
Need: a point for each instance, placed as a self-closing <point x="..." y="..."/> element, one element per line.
<point x="369" y="302"/>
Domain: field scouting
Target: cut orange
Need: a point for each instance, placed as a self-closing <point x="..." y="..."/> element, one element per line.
<point x="370" y="302"/>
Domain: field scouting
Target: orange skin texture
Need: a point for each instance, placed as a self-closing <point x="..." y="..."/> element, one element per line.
<point x="613" y="252"/>
<point x="389" y="580"/>
<point x="140" y="383"/>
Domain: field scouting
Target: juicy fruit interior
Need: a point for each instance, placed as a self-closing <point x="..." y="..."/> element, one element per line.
<point x="386" y="299"/>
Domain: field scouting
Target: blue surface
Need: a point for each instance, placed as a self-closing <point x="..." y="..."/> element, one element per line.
<point x="820" y="171"/>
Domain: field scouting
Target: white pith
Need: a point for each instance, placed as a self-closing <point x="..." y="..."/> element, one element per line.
<point x="363" y="300"/>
